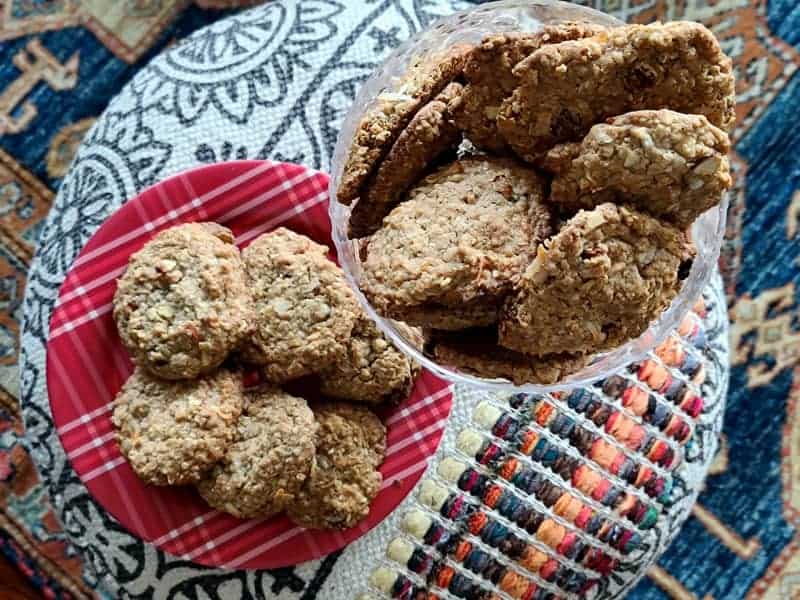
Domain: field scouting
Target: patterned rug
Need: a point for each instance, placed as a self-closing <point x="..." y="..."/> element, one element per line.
<point x="62" y="60"/>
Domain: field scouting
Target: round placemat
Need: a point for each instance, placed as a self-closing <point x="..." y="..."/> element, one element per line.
<point x="273" y="82"/>
<point x="87" y="365"/>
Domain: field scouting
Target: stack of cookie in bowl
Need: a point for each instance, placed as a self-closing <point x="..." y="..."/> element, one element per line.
<point x="529" y="201"/>
<point x="199" y="319"/>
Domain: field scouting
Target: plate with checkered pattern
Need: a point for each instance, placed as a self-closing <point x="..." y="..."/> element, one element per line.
<point x="87" y="365"/>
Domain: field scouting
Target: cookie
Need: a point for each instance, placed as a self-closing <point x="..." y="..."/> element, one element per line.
<point x="465" y="232"/>
<point x="429" y="134"/>
<point x="476" y="313"/>
<point x="182" y="304"/>
<point x="597" y="283"/>
<point x="304" y="309"/>
<point x="668" y="164"/>
<point x="425" y="78"/>
<point x="344" y="477"/>
<point x="476" y="352"/>
<point x="173" y="432"/>
<point x="566" y="88"/>
<point x="269" y="458"/>
<point x="490" y="78"/>
<point x="373" y="370"/>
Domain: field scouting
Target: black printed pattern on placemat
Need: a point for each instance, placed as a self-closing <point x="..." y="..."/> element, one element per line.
<point x="272" y="82"/>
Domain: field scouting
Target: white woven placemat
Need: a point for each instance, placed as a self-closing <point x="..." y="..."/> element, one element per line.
<point x="274" y="82"/>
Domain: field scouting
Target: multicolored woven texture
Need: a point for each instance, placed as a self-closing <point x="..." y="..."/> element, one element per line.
<point x="61" y="61"/>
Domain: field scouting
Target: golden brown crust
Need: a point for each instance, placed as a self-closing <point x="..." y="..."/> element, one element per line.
<point x="182" y="304"/>
<point x="344" y="478"/>
<point x="269" y="459"/>
<point x="466" y="231"/>
<point x="476" y="352"/>
<point x="379" y="128"/>
<point x="568" y="87"/>
<point x="668" y="164"/>
<point x="173" y="432"/>
<point x="490" y="78"/>
<point x="219" y="231"/>
<point x="304" y="308"/>
<point x="429" y="134"/>
<point x="373" y="370"/>
<point x="599" y="282"/>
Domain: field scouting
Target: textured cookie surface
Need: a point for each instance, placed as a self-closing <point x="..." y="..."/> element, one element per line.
<point x="373" y="370"/>
<point x="465" y="231"/>
<point x="475" y="313"/>
<point x="566" y="88"/>
<point x="596" y="284"/>
<point x="668" y="164"/>
<point x="429" y="134"/>
<point x="490" y="78"/>
<point x="173" y="432"/>
<point x="476" y="352"/>
<point x="344" y="477"/>
<point x="182" y="304"/>
<point x="304" y="309"/>
<point x="377" y="131"/>
<point x="269" y="459"/>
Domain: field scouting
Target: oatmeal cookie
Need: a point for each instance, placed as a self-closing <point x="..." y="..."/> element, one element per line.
<point x="566" y="88"/>
<point x="429" y="134"/>
<point x="173" y="432"/>
<point x="182" y="304"/>
<point x="466" y="231"/>
<point x="373" y="370"/>
<point x="596" y="284"/>
<point x="477" y="352"/>
<point x="344" y="477"/>
<point x="377" y="131"/>
<point x="475" y="313"/>
<point x="668" y="164"/>
<point x="304" y="309"/>
<point x="490" y="78"/>
<point x="269" y="458"/>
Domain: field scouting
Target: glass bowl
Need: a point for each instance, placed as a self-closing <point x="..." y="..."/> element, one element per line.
<point x="472" y="26"/>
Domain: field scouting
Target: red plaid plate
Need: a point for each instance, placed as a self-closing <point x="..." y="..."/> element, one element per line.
<point x="87" y="365"/>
